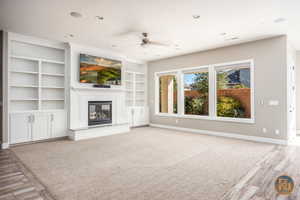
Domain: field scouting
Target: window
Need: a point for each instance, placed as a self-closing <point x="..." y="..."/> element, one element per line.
<point x="196" y="92"/>
<point x="212" y="92"/>
<point x="167" y="94"/>
<point x="234" y="91"/>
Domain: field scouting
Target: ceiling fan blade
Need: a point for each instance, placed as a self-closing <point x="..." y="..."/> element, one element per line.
<point x="127" y="33"/>
<point x="158" y="43"/>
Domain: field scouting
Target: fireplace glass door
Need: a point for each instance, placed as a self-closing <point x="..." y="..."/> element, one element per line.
<point x="100" y="112"/>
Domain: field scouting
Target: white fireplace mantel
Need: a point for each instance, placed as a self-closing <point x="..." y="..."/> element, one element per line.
<point x="79" y="98"/>
<point x="119" y="89"/>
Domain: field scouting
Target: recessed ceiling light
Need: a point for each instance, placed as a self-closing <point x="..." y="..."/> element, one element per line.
<point x="100" y="18"/>
<point x="223" y="34"/>
<point x="279" y="20"/>
<point x="75" y="14"/>
<point x="196" y="16"/>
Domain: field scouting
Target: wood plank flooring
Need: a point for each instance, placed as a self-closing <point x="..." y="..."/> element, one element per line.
<point x="259" y="182"/>
<point x="18" y="183"/>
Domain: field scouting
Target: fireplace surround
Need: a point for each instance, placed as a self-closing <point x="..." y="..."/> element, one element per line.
<point x="99" y="112"/>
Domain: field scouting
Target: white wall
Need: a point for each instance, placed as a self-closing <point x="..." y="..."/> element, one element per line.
<point x="298" y="91"/>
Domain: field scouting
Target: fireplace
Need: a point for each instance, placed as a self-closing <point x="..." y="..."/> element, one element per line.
<point x="100" y="112"/>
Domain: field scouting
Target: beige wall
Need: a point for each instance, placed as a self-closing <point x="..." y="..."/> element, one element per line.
<point x="270" y="84"/>
<point x="1" y="81"/>
<point x="298" y="91"/>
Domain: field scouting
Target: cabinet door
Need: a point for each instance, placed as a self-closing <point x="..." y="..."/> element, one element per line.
<point x="140" y="116"/>
<point x="58" y="124"/>
<point x="40" y="126"/>
<point x="130" y="116"/>
<point x="20" y="128"/>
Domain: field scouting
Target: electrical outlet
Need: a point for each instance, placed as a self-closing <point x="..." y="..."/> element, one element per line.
<point x="277" y="132"/>
<point x="264" y="130"/>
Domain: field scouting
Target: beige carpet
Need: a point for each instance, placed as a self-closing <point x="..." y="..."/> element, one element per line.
<point x="147" y="163"/>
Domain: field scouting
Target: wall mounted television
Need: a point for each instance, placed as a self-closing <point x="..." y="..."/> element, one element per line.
<point x="98" y="70"/>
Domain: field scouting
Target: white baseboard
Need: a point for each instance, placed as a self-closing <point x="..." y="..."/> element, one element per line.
<point x="223" y="134"/>
<point x="4" y="145"/>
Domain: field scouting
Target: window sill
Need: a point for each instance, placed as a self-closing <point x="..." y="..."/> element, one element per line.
<point x="225" y="119"/>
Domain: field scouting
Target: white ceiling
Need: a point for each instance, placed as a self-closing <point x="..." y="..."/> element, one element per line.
<point x="168" y="21"/>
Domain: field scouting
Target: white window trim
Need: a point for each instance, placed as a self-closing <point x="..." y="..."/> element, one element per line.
<point x="251" y="63"/>
<point x="156" y="96"/>
<point x="179" y="73"/>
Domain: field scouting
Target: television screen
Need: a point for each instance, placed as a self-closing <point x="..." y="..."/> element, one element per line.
<point x="99" y="70"/>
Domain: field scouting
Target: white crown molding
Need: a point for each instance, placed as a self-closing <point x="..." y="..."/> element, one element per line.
<point x="223" y="134"/>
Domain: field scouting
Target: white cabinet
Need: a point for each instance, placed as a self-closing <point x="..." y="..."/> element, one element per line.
<point x="138" y="116"/>
<point x="40" y="126"/>
<point x="26" y="127"/>
<point x="58" y="125"/>
<point x="20" y="128"/>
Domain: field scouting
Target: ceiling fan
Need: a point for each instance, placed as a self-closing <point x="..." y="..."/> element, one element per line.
<point x="146" y="41"/>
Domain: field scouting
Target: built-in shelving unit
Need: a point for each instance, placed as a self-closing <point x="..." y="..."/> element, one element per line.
<point x="36" y="77"/>
<point x="135" y="88"/>
<point x="129" y="88"/>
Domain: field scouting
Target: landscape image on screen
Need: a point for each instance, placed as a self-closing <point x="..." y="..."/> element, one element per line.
<point x="99" y="70"/>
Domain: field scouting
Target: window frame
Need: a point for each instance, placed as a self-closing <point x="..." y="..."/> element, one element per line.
<point x="157" y="75"/>
<point x="212" y="69"/>
<point x="251" y="66"/>
<point x="182" y="99"/>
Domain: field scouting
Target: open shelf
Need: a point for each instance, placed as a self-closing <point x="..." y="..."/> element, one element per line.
<point x="23" y="105"/>
<point x="23" y="72"/>
<point x="24" y="99"/>
<point x="23" y="79"/>
<point x="24" y="86"/>
<point x="52" y="104"/>
<point x="52" y="87"/>
<point x="53" y="99"/>
<point x="37" y="77"/>
<point x="48" y="74"/>
<point x="33" y="51"/>
<point x="52" y="68"/>
<point x="37" y="59"/>
<point x="53" y="81"/>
